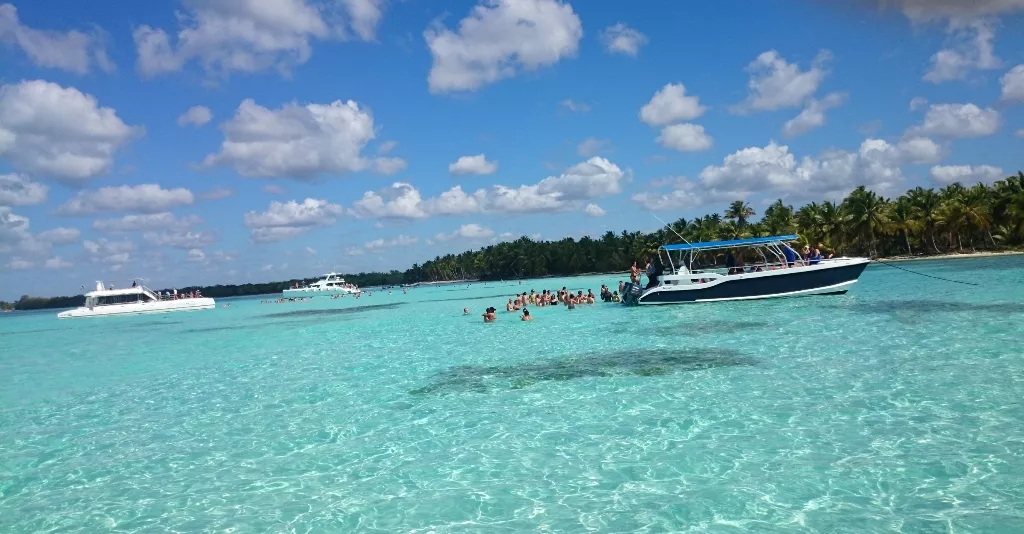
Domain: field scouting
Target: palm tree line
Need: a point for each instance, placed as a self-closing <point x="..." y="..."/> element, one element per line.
<point x="953" y="219"/>
<point x="922" y="221"/>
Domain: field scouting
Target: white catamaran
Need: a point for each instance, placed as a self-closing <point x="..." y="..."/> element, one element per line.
<point x="332" y="284"/>
<point x="135" y="300"/>
<point x="776" y="272"/>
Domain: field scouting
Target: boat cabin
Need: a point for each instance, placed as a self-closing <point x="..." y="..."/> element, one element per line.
<point x="695" y="262"/>
<point x="112" y="297"/>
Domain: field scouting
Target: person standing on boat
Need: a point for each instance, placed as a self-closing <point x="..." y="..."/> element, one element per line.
<point x="654" y="272"/>
<point x="790" y="255"/>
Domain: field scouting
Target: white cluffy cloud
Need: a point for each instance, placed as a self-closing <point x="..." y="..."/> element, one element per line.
<point x="972" y="50"/>
<point x="1013" y="85"/>
<point x="671" y="104"/>
<point x="686" y="137"/>
<point x="467" y="232"/>
<point x="252" y="36"/>
<point x="49" y="130"/>
<point x="918" y="102"/>
<point x="592" y="179"/>
<point x="958" y="121"/>
<point x="28" y="250"/>
<point x="143" y="198"/>
<point x="967" y="174"/>
<point x="284" y="220"/>
<point x="71" y="51"/>
<point x="621" y="39"/>
<point x="593" y="210"/>
<point x="477" y="165"/>
<point x="773" y="168"/>
<point x="400" y="241"/>
<point x="17" y="190"/>
<point x="498" y="39"/>
<point x="775" y="84"/>
<point x="300" y="142"/>
<point x="150" y="221"/>
<point x="813" y="115"/>
<point x="109" y="253"/>
<point x="196" y="115"/>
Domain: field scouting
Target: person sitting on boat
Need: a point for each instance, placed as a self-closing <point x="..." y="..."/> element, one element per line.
<point x="815" y="257"/>
<point x="806" y="256"/>
<point x="526" y="315"/>
<point x="135" y="284"/>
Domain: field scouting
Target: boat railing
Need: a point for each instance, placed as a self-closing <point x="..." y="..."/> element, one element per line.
<point x="753" y="267"/>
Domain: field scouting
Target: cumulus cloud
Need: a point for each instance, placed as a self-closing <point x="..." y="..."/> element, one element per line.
<point x="971" y="50"/>
<point x="17" y="190"/>
<point x="217" y="193"/>
<point x="185" y="239"/>
<point x="621" y="39"/>
<point x="776" y="84"/>
<point x="143" y="198"/>
<point x="593" y="210"/>
<point x="684" y="194"/>
<point x="225" y="37"/>
<point x="60" y="235"/>
<point x="592" y="179"/>
<point x="71" y="51"/>
<point x="300" y="142"/>
<point x="400" y="241"/>
<point x="956" y="10"/>
<point x="477" y="165"/>
<point x="49" y="130"/>
<point x="958" y="121"/>
<point x="685" y="137"/>
<point x="1012" y="84"/>
<point x="284" y="220"/>
<point x="150" y="221"/>
<point x="966" y="174"/>
<point x="918" y="102"/>
<point x="575" y="105"/>
<point x="498" y="39"/>
<point x="57" y="263"/>
<point x="467" y="232"/>
<point x="671" y="104"/>
<point x="196" y="115"/>
<point x="813" y="115"/>
<point x="773" y="168"/>
<point x="109" y="253"/>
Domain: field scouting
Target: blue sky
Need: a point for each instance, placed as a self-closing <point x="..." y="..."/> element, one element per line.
<point x="214" y="141"/>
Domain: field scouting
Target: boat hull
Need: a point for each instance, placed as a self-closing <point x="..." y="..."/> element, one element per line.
<point x="801" y="281"/>
<point x="145" y="308"/>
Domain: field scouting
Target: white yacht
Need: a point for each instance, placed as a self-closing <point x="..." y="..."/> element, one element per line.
<point x="135" y="300"/>
<point x="332" y="284"/>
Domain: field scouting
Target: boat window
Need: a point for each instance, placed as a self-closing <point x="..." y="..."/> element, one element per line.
<point x="113" y="300"/>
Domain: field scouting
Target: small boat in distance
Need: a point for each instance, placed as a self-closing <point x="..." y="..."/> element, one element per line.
<point x="135" y="300"/>
<point x="332" y="284"/>
<point x="778" y="271"/>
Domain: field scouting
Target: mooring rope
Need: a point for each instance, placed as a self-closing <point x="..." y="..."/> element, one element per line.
<point x="927" y="275"/>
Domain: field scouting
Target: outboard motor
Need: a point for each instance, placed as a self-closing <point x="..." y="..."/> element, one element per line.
<point x="631" y="294"/>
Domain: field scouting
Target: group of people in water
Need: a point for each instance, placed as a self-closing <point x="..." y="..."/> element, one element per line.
<point x="545" y="298"/>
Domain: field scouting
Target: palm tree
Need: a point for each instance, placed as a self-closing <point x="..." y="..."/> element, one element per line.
<point x="904" y="219"/>
<point x="867" y="216"/>
<point x="740" y="212"/>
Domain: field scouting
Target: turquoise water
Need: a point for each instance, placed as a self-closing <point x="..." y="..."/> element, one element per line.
<point x="894" y="408"/>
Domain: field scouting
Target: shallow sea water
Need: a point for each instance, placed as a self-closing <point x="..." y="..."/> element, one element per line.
<point x="894" y="408"/>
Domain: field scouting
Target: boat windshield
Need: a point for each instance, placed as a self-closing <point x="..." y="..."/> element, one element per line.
<point x="113" y="300"/>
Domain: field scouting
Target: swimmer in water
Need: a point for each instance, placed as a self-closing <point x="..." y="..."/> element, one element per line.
<point x="465" y="311"/>
<point x="526" y="315"/>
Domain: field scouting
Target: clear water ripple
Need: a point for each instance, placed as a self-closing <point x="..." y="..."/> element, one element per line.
<point x="895" y="408"/>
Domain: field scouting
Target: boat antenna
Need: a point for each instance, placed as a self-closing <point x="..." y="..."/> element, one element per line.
<point x="670" y="228"/>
